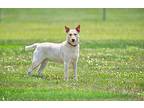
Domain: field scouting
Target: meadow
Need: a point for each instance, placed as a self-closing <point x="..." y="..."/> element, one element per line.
<point x="111" y="63"/>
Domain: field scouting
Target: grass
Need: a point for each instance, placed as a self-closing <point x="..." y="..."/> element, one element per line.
<point x="111" y="64"/>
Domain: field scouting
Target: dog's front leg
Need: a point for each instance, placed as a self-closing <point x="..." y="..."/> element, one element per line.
<point x="75" y="69"/>
<point x="66" y="65"/>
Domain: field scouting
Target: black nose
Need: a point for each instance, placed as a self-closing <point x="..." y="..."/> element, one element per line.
<point x="73" y="40"/>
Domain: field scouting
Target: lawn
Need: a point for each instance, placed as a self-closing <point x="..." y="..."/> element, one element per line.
<point x="111" y="63"/>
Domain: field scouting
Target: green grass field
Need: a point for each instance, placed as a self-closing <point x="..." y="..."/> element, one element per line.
<point x="111" y="63"/>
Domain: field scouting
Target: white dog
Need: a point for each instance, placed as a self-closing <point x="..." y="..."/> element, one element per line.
<point x="66" y="52"/>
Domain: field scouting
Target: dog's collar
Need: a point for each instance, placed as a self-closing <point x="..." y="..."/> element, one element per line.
<point x="72" y="44"/>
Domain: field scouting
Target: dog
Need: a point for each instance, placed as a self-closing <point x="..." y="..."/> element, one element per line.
<point x="66" y="52"/>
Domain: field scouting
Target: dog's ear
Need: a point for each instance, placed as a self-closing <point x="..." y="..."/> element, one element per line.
<point x="67" y="29"/>
<point x="78" y="28"/>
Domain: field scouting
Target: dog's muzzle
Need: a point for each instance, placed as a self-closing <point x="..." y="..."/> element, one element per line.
<point x="73" y="40"/>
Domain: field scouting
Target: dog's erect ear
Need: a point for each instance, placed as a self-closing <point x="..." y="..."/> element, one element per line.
<point x="78" y="28"/>
<point x="67" y="29"/>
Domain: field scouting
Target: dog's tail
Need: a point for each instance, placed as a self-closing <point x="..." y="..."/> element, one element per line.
<point x="31" y="47"/>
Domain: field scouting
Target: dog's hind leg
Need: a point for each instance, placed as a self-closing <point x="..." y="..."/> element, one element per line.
<point x="34" y="66"/>
<point x="37" y="59"/>
<point x="30" y="70"/>
<point x="43" y="65"/>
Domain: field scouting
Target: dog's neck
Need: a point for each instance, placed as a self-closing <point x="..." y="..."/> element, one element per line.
<point x="72" y="44"/>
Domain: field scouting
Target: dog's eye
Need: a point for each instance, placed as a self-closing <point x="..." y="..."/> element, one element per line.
<point x="75" y="34"/>
<point x="70" y="34"/>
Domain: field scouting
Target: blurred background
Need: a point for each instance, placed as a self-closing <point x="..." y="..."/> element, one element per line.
<point x="48" y="24"/>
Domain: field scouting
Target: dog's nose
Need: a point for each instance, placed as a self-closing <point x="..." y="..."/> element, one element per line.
<point x="73" y="40"/>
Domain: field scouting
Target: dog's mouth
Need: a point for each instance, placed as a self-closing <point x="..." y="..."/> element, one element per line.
<point x="72" y="43"/>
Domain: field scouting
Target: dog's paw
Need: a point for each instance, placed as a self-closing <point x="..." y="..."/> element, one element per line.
<point x="43" y="77"/>
<point x="66" y="79"/>
<point x="29" y="74"/>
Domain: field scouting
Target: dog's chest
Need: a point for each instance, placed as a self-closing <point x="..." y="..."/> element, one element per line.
<point x="71" y="53"/>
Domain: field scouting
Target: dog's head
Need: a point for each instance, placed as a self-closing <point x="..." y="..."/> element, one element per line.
<point x="72" y="35"/>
